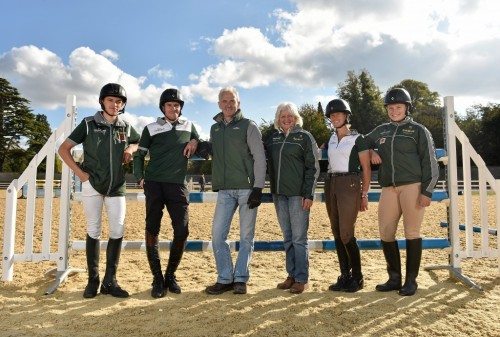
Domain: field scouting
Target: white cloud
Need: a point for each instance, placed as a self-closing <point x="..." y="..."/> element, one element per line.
<point x="45" y="80"/>
<point x="161" y="73"/>
<point x="110" y="54"/>
<point x="138" y="122"/>
<point x="452" y="46"/>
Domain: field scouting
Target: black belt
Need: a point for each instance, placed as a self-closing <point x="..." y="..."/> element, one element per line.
<point x="342" y="174"/>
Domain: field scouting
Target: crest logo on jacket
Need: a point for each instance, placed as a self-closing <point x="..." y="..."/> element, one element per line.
<point x="101" y="131"/>
<point x="121" y="136"/>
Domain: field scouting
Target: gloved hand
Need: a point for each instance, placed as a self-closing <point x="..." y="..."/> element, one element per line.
<point x="204" y="149"/>
<point x="255" y="197"/>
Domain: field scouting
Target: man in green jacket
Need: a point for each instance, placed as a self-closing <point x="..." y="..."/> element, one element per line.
<point x="238" y="174"/>
<point x="170" y="141"/>
<point x="108" y="142"/>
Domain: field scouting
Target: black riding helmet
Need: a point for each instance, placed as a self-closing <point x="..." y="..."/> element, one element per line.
<point x="171" y="95"/>
<point x="114" y="90"/>
<point x="337" y="105"/>
<point x="398" y="95"/>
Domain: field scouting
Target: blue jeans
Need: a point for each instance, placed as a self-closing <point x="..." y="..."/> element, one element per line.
<point x="227" y="202"/>
<point x="294" y="223"/>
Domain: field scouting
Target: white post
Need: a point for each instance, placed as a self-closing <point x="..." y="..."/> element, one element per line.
<point x="66" y="185"/>
<point x="9" y="232"/>
<point x="48" y="196"/>
<point x="453" y="221"/>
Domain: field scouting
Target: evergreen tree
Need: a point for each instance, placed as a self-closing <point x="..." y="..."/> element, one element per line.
<point x="365" y="100"/>
<point x="16" y="119"/>
<point x="39" y="132"/>
<point x="320" y="109"/>
<point x="19" y="125"/>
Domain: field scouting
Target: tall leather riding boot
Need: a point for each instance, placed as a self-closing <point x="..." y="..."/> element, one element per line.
<point x="153" y="255"/>
<point x="92" y="249"/>
<point x="345" y="268"/>
<point x="176" y="251"/>
<point x="356" y="281"/>
<point x="393" y="259"/>
<point x="413" y="257"/>
<point x="109" y="284"/>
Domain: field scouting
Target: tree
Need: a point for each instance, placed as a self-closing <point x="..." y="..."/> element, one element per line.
<point x="481" y="125"/>
<point x="16" y="119"/>
<point x="427" y="108"/>
<point x="320" y="109"/>
<point x="490" y="127"/>
<point x="314" y="123"/>
<point x="16" y="160"/>
<point x="38" y="132"/>
<point x="266" y="128"/>
<point x="365" y="100"/>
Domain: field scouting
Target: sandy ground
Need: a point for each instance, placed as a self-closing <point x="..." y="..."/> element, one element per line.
<point x="441" y="307"/>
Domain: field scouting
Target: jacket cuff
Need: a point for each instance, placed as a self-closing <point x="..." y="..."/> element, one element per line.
<point x="427" y="194"/>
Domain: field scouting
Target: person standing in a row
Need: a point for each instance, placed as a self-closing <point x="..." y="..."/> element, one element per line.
<point x="346" y="192"/>
<point x="238" y="174"/>
<point x="108" y="142"/>
<point x="170" y="141"/>
<point x="408" y="173"/>
<point x="293" y="170"/>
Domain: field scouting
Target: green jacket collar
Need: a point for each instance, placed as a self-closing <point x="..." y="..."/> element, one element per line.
<point x="406" y="120"/>
<point x="99" y="119"/>
<point x="219" y="118"/>
<point x="294" y="129"/>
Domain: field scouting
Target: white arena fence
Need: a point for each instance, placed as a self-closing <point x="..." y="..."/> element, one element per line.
<point x="461" y="240"/>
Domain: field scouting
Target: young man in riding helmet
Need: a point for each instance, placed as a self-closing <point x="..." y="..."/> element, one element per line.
<point x="108" y="142"/>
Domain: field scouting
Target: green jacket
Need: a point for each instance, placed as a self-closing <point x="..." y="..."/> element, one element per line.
<point x="103" y="146"/>
<point x="238" y="159"/>
<point x="165" y="144"/>
<point x="293" y="163"/>
<point x="408" y="154"/>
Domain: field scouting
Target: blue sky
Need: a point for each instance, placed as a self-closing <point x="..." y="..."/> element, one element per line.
<point x="271" y="51"/>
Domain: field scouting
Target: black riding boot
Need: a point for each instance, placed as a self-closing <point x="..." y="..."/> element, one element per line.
<point x="413" y="257"/>
<point x="92" y="248"/>
<point x="345" y="268"/>
<point x="356" y="281"/>
<point x="176" y="251"/>
<point x="393" y="259"/>
<point x="109" y="284"/>
<point x="154" y="263"/>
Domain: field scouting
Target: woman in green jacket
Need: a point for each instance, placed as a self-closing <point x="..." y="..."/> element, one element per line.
<point x="293" y="169"/>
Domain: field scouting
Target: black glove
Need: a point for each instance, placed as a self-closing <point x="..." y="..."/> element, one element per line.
<point x="204" y="149"/>
<point x="255" y="197"/>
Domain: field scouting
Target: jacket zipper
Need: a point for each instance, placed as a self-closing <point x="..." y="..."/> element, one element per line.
<point x="393" y="174"/>
<point x="279" y="165"/>
<point x="110" y="158"/>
